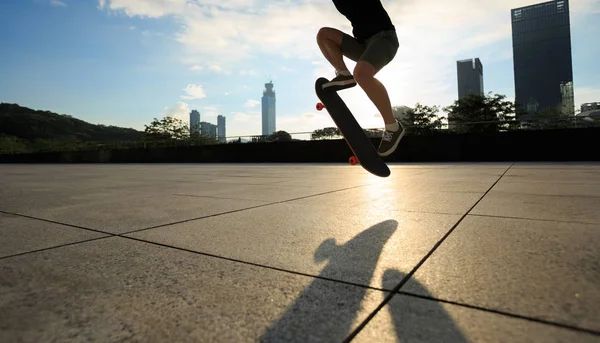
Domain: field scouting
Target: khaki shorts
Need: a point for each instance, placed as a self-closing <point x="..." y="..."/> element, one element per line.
<point x="379" y="50"/>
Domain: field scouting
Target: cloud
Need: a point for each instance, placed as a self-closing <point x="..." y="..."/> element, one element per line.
<point x="218" y="69"/>
<point x="246" y="116"/>
<point x="251" y="103"/>
<point x="180" y="111"/>
<point x="193" y="92"/>
<point x="210" y="111"/>
<point x="196" y="68"/>
<point x="57" y="3"/>
<point x="251" y="72"/>
<point x="224" y="35"/>
<point x="244" y="123"/>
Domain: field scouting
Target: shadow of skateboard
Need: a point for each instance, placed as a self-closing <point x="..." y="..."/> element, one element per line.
<point x="355" y="137"/>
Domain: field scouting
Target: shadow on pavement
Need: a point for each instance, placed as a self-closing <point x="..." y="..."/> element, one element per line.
<point x="326" y="310"/>
<point x="418" y="320"/>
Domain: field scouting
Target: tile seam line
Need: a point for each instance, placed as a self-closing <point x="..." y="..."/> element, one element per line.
<point x="56" y="222"/>
<point x="532" y="219"/>
<point x="407" y="277"/>
<point x="384" y="290"/>
<point x="238" y="210"/>
<point x="55" y="247"/>
<point x="499" y="312"/>
<point x="258" y="206"/>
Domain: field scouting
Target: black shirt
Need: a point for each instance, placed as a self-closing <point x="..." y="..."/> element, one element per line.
<point x="367" y="17"/>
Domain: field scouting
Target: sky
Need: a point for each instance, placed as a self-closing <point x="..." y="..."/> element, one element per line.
<point x="126" y="62"/>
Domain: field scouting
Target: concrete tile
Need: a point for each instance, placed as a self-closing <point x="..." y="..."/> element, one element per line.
<point x="21" y="235"/>
<point x="117" y="289"/>
<point x="550" y="188"/>
<point x="410" y="319"/>
<point x="544" y="270"/>
<point x="265" y="193"/>
<point x="128" y="212"/>
<point x="532" y="206"/>
<point x="364" y="241"/>
<point x="413" y="198"/>
<point x="589" y="175"/>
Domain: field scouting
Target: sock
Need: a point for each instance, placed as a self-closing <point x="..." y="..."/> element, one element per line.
<point x="345" y="72"/>
<point x="392" y="127"/>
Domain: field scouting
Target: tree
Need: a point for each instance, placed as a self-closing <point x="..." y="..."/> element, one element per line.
<point x="279" y="136"/>
<point x="552" y="118"/>
<point x="167" y="128"/>
<point x="328" y="132"/>
<point x="470" y="111"/>
<point x="12" y="145"/>
<point x="422" y="120"/>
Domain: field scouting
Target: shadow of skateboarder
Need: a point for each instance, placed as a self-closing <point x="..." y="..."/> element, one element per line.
<point x="327" y="308"/>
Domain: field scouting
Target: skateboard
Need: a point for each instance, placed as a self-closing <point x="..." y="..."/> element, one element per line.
<point x="362" y="148"/>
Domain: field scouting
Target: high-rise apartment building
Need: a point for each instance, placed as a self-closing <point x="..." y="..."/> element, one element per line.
<point x="194" y="121"/>
<point x="268" y="110"/>
<point x="208" y="129"/>
<point x="221" y="128"/>
<point x="543" y="68"/>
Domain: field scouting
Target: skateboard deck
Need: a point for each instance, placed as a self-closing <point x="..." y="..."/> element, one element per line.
<point x="352" y="132"/>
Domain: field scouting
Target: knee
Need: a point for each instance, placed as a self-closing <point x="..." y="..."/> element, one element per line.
<point x="326" y="33"/>
<point x="322" y="34"/>
<point x="363" y="73"/>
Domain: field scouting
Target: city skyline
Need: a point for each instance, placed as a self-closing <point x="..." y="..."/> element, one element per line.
<point x="129" y="62"/>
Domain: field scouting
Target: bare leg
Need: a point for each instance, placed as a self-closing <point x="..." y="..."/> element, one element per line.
<point x="364" y="74"/>
<point x="330" y="42"/>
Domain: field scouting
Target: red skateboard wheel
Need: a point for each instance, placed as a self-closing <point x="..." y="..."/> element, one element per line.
<point x="353" y="160"/>
<point x="320" y="106"/>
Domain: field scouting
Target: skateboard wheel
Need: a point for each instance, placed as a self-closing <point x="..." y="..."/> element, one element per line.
<point x="320" y="106"/>
<point x="353" y="160"/>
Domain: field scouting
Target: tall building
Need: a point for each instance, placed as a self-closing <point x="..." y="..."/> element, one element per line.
<point x="221" y="128"/>
<point x="470" y="77"/>
<point x="194" y="121"/>
<point x="543" y="67"/>
<point x="268" y="109"/>
<point x="208" y="129"/>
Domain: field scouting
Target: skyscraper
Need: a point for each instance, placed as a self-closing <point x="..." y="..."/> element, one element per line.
<point x="543" y="68"/>
<point x="470" y="77"/>
<point x="194" y="121"/>
<point x="268" y="109"/>
<point x="221" y="128"/>
<point x="208" y="129"/>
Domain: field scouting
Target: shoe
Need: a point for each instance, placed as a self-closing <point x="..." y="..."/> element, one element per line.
<point x="342" y="80"/>
<point x="390" y="140"/>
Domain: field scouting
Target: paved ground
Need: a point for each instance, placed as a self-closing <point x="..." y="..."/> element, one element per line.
<point x="243" y="253"/>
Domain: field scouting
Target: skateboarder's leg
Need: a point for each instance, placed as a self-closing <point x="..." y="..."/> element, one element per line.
<point x="335" y="44"/>
<point x="380" y="50"/>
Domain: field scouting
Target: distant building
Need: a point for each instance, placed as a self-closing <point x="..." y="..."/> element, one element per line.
<point x="470" y="77"/>
<point x="268" y="110"/>
<point x="543" y="71"/>
<point x="208" y="129"/>
<point x="221" y="128"/>
<point x="194" y="121"/>
<point x="590" y="106"/>
<point x="469" y="74"/>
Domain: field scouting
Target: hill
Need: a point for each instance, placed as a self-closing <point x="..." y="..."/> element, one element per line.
<point x="28" y="124"/>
